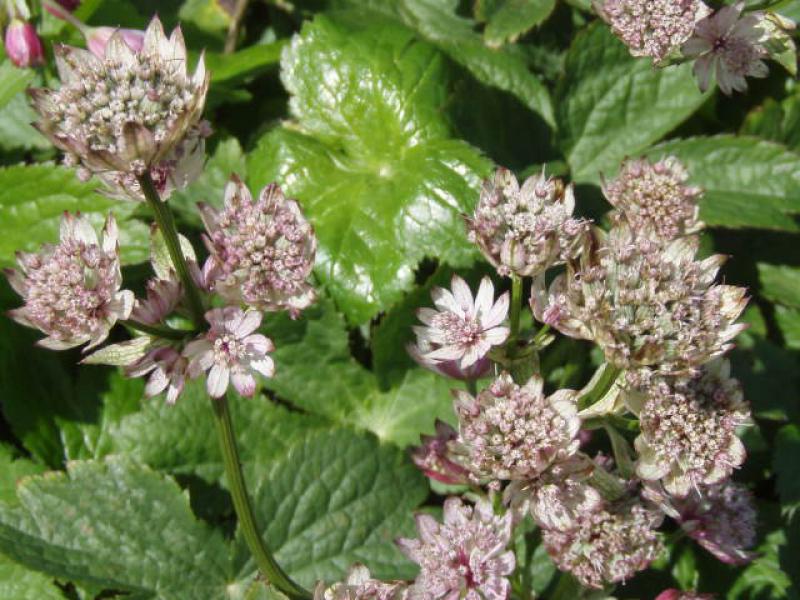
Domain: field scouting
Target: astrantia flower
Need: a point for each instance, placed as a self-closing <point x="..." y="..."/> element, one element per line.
<point x="464" y="557"/>
<point x="167" y="369"/>
<point x="525" y="230"/>
<point x="723" y="521"/>
<point x="652" y="27"/>
<point x="230" y="351"/>
<point x="688" y="430"/>
<point x="72" y="290"/>
<point x="360" y="585"/>
<point x="559" y="496"/>
<point x="127" y="110"/>
<point x="435" y="456"/>
<point x="514" y="432"/>
<point x="729" y="45"/>
<point x="461" y="330"/>
<point x="606" y="546"/>
<point x="654" y="198"/>
<point x="644" y="303"/>
<point x="262" y="252"/>
<point x="163" y="296"/>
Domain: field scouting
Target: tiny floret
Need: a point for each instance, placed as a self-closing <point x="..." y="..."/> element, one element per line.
<point x="607" y="546"/>
<point x="72" y="290"/>
<point x="230" y="351"/>
<point x="465" y="556"/>
<point x="654" y="198"/>
<point x="167" y="372"/>
<point x="728" y="44"/>
<point x="525" y="230"/>
<point x="516" y="432"/>
<point x="163" y="296"/>
<point x="461" y="330"/>
<point x="654" y="28"/>
<point x="262" y="252"/>
<point x="688" y="430"/>
<point x="127" y="110"/>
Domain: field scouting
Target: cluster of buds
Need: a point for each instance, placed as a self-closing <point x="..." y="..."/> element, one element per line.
<point x="728" y="44"/>
<point x="22" y="44"/>
<point x="128" y="112"/>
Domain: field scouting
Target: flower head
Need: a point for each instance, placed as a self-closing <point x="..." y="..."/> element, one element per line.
<point x="167" y="369"/>
<point x="262" y="252"/>
<point x="461" y="330"/>
<point x="127" y="110"/>
<point x="72" y="290"/>
<point x="728" y="44"/>
<point x="435" y="456"/>
<point x="516" y="432"/>
<point x="652" y="27"/>
<point x="230" y="351"/>
<point x="722" y="519"/>
<point x="359" y="585"/>
<point x="644" y="303"/>
<point x="688" y="430"/>
<point x="607" y="546"/>
<point x="464" y="556"/>
<point x="654" y="198"/>
<point x="22" y="44"/>
<point x="525" y="230"/>
<point x="559" y="496"/>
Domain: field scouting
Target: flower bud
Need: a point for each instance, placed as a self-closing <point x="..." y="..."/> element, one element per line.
<point x="97" y="39"/>
<point x="23" y="45"/>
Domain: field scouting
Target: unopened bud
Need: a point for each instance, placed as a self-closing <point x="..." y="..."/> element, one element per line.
<point x="97" y="39"/>
<point x="23" y="45"/>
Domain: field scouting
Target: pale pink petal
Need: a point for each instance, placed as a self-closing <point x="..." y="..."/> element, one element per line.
<point x="217" y="382"/>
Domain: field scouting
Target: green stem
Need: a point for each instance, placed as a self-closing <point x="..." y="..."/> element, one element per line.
<point x="158" y="330"/>
<point x="166" y="224"/>
<point x="267" y="565"/>
<point x="472" y="387"/>
<point x="516" y="306"/>
<point x="601" y="386"/>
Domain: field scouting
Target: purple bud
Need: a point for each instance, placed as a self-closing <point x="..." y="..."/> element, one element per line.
<point x="97" y="39"/>
<point x="23" y="45"/>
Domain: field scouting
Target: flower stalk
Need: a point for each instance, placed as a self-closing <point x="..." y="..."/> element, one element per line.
<point x="158" y="330"/>
<point x="166" y="225"/>
<point x="516" y="306"/>
<point x="267" y="565"/>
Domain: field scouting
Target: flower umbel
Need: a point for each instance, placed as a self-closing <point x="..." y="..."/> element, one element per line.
<point x="516" y="432"/>
<point x="262" y="252"/>
<point x="230" y="351"/>
<point x="729" y="45"/>
<point x="644" y="303"/>
<point x="465" y="556"/>
<point x="652" y="28"/>
<point x="525" y="230"/>
<point x="688" y="430"/>
<point x="127" y="110"/>
<point x="461" y="330"/>
<point x="72" y="290"/>
<point x="654" y="198"/>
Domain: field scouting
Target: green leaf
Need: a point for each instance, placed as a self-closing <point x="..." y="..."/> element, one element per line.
<point x="116" y="525"/>
<point x="763" y="578"/>
<point x="12" y="81"/>
<point x="788" y="320"/>
<point x="251" y="61"/>
<point x="515" y="17"/>
<point x="780" y="283"/>
<point x="12" y="469"/>
<point x="610" y="105"/>
<point x="747" y="182"/>
<point x="437" y="22"/>
<point x="16" y="131"/>
<point x="787" y="449"/>
<point x="207" y="15"/>
<point x="228" y="159"/>
<point x="19" y="583"/>
<point x="776" y="121"/>
<point x="33" y="198"/>
<point x="334" y="385"/>
<point x="370" y="160"/>
<point x="338" y="498"/>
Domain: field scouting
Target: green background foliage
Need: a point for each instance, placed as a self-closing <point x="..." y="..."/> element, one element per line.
<point x="381" y="117"/>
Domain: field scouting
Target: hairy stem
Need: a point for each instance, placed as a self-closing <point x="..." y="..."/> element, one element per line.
<point x="235" y="25"/>
<point x="166" y="224"/>
<point x="267" y="565"/>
